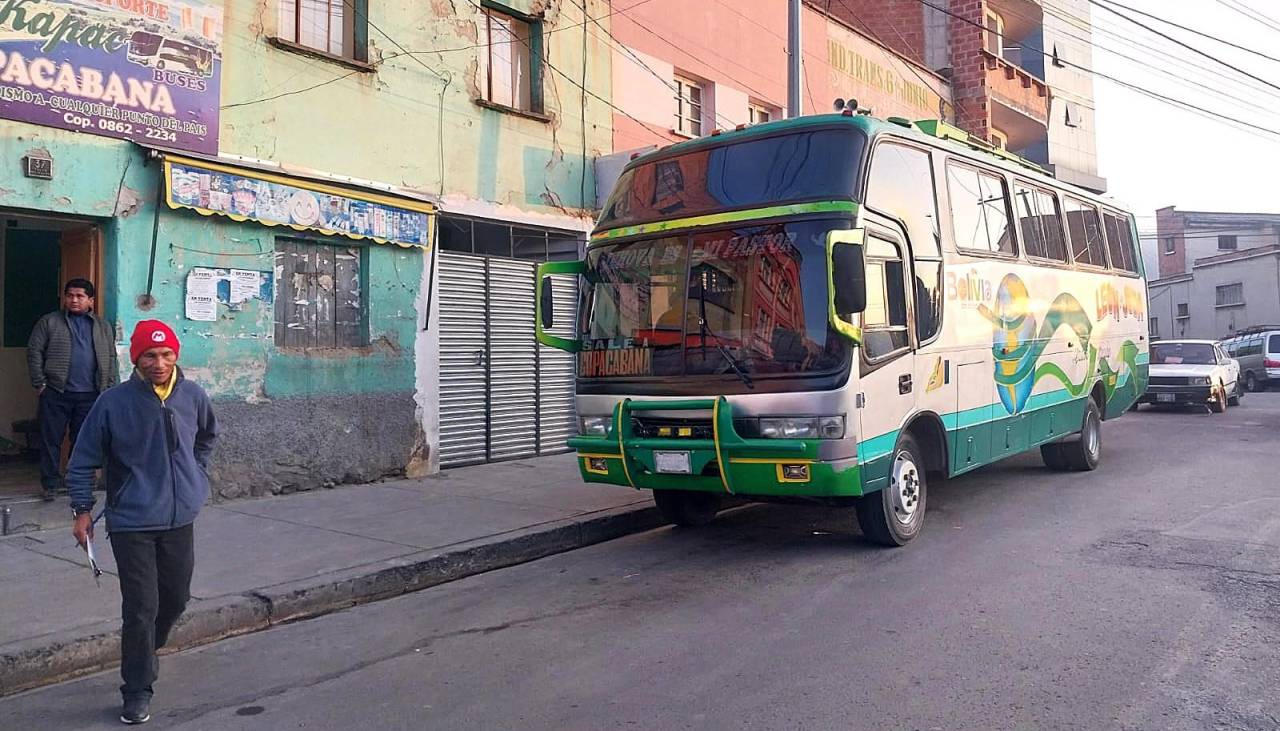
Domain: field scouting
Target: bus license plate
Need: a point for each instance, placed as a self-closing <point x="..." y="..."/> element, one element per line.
<point x="1166" y="398"/>
<point x="672" y="463"/>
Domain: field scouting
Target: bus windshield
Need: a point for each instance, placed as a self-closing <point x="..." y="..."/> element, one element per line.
<point x="747" y="301"/>
<point x="820" y="164"/>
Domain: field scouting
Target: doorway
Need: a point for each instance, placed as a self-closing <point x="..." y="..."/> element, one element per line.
<point x="37" y="255"/>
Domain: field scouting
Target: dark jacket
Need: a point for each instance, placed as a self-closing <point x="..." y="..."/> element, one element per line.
<point x="49" y="352"/>
<point x="154" y="455"/>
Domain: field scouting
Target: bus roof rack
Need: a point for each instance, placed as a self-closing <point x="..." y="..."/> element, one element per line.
<point x="944" y="131"/>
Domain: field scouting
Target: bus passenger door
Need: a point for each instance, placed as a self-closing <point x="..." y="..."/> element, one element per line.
<point x="887" y="388"/>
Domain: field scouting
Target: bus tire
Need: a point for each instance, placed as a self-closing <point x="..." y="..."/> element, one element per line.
<point x="687" y="508"/>
<point x="1052" y="455"/>
<point x="895" y="515"/>
<point x="1084" y="453"/>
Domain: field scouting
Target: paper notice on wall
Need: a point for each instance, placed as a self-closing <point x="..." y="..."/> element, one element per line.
<point x="202" y="294"/>
<point x="245" y="285"/>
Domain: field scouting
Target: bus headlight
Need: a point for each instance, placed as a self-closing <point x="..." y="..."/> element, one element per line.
<point x="594" y="426"/>
<point x="802" y="427"/>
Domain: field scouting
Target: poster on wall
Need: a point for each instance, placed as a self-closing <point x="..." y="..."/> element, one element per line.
<point x="214" y="189"/>
<point x="207" y="287"/>
<point x="143" y="71"/>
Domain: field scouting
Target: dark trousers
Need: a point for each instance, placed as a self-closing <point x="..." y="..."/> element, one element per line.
<point x="57" y="412"/>
<point x="155" y="584"/>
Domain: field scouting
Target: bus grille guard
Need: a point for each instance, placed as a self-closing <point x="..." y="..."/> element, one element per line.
<point x="727" y="462"/>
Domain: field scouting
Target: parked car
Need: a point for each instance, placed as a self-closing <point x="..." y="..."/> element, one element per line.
<point x="1193" y="372"/>
<point x="1258" y="351"/>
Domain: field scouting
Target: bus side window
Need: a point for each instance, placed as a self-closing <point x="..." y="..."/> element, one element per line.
<point x="1051" y="217"/>
<point x="901" y="185"/>
<point x="1039" y="223"/>
<point x="884" y="322"/>
<point x="1120" y="244"/>
<point x="1086" y="234"/>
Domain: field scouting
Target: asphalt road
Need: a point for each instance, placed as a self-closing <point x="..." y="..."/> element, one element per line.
<point x="1143" y="595"/>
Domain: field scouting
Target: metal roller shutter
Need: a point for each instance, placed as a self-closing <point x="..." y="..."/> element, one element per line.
<point x="502" y="396"/>
<point x="463" y="381"/>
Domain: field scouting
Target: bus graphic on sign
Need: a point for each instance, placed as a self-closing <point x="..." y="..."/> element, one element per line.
<point x="167" y="54"/>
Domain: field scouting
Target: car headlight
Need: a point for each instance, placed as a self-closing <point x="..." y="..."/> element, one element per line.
<point x="594" y="426"/>
<point x="1205" y="381"/>
<point x="802" y="427"/>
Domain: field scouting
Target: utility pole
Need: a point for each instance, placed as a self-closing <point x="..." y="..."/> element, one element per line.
<point x="794" y="49"/>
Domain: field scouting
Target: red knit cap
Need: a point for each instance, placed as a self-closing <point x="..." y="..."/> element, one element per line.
<point x="150" y="334"/>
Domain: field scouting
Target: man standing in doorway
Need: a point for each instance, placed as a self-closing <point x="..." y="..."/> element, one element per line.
<point x="71" y="358"/>
<point x="153" y="436"/>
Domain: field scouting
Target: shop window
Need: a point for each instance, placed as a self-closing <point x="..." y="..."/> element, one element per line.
<point x="689" y="98"/>
<point x="320" y="297"/>
<point x="510" y="69"/>
<point x="333" y="27"/>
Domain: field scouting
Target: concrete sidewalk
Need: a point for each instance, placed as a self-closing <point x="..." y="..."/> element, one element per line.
<point x="262" y="562"/>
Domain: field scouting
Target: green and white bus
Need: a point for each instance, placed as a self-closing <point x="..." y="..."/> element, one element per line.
<point x="838" y="309"/>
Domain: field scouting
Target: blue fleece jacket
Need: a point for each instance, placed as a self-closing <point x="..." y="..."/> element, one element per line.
<point x="154" y="455"/>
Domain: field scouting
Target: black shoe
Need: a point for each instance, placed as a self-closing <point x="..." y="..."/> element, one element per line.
<point x="136" y="711"/>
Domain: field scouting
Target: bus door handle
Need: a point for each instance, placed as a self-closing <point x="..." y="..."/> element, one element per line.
<point x="904" y="383"/>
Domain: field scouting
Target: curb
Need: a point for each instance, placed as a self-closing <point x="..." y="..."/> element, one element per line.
<point x="43" y="661"/>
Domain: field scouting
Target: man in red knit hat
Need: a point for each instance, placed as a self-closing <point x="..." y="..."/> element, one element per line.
<point x="152" y="437"/>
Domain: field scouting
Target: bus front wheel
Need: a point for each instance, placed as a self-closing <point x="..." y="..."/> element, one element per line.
<point x="686" y="508"/>
<point x="894" y="515"/>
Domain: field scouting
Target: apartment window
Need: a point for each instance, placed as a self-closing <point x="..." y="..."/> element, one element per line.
<point x="1183" y="313"/>
<point x="320" y="302"/>
<point x="334" y="27"/>
<point x="1227" y="243"/>
<point x="1073" y="116"/>
<point x="759" y="113"/>
<point x="510" y="72"/>
<point x="688" y="106"/>
<point x="1170" y="245"/>
<point x="1057" y="58"/>
<point x="993" y="38"/>
<point x="999" y="139"/>
<point x="1230" y="295"/>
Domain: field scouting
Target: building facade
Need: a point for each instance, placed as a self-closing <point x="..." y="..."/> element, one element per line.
<point x="269" y="176"/>
<point x="1019" y="71"/>
<point x="1218" y="273"/>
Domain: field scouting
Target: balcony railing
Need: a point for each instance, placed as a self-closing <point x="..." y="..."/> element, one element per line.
<point x="1016" y="87"/>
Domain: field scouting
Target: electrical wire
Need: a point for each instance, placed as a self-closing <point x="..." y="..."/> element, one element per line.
<point x="1202" y="34"/>
<point x="1239" y="123"/>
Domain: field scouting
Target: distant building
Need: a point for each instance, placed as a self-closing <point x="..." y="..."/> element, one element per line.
<point x="1217" y="273"/>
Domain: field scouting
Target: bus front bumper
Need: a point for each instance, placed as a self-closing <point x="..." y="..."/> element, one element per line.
<point x="726" y="463"/>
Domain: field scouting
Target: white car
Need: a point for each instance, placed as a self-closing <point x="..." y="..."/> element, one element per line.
<point x="1193" y="372"/>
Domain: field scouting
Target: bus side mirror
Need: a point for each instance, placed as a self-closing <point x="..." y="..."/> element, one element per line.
<point x="546" y="303"/>
<point x="848" y="269"/>
<point x="846" y="281"/>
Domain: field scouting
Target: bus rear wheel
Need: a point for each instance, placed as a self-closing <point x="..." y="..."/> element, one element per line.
<point x="1083" y="453"/>
<point x="686" y="508"/>
<point x="894" y="515"/>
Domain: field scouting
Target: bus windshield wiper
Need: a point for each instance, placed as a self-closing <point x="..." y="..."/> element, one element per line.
<point x="705" y="331"/>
